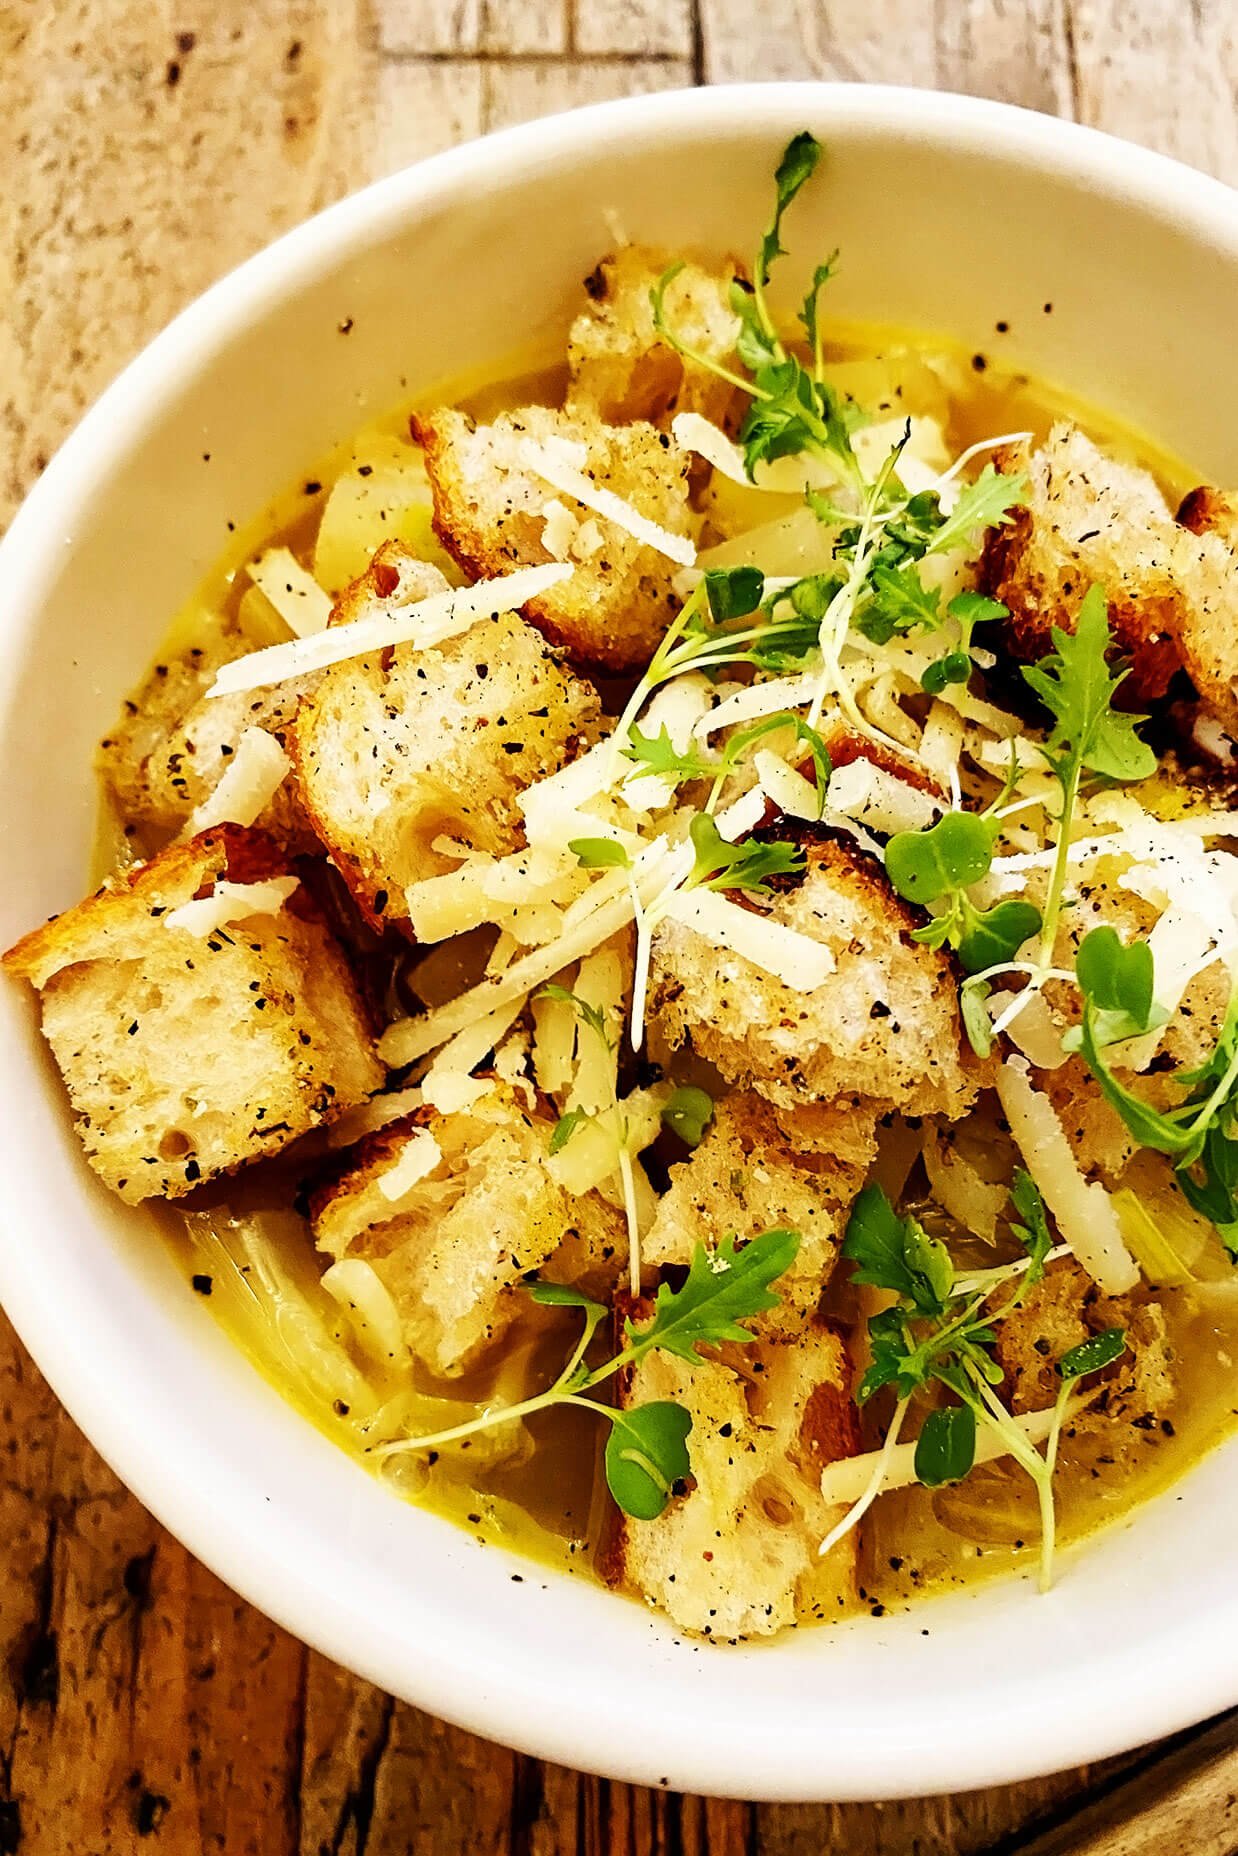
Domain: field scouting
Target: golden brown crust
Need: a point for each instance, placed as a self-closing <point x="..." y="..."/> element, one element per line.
<point x="620" y="599"/>
<point x="1208" y="511"/>
<point x="1076" y="530"/>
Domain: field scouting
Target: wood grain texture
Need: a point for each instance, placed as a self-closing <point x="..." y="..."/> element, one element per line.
<point x="145" y="148"/>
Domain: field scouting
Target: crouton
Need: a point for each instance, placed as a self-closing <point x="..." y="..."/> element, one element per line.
<point x="1090" y="520"/>
<point x="1061" y="1312"/>
<point x="395" y="750"/>
<point x="172" y="745"/>
<point x="737" y="1555"/>
<point x="490" y="513"/>
<point x="186" y="1054"/>
<point x="453" y="1245"/>
<point x="1045" y="1325"/>
<point x="1207" y="511"/>
<point x="883" y="1025"/>
<point x="620" y="370"/>
<point x="1209" y="633"/>
<point x="758" y="1168"/>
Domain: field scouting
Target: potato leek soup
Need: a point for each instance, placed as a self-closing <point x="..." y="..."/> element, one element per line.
<point x="666" y="953"/>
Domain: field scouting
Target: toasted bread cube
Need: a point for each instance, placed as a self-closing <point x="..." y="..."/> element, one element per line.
<point x="759" y="1167"/>
<point x="1061" y="1312"/>
<point x="883" y="1025"/>
<point x="1210" y="624"/>
<point x="172" y="744"/>
<point x="736" y="1555"/>
<point x="1207" y="511"/>
<point x="187" y="1054"/>
<point x="620" y="369"/>
<point x="452" y="1248"/>
<point x="396" y="750"/>
<point x="490" y="512"/>
<point x="1090" y="520"/>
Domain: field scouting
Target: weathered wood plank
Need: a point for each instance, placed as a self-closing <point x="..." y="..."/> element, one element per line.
<point x="1012" y="49"/>
<point x="516" y="92"/>
<point x="1162" y="74"/>
<point x="644" y="27"/>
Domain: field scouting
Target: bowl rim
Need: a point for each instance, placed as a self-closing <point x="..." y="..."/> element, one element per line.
<point x="1193" y="1681"/>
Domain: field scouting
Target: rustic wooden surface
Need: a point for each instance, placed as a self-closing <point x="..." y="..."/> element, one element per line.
<point x="145" y="145"/>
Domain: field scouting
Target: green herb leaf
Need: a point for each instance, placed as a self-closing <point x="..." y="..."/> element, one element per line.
<point x="798" y="163"/>
<point x="991" y="937"/>
<point x="1090" y="1355"/>
<point x="723" y="1288"/>
<point x="646" y="1455"/>
<point x="1117" y="980"/>
<point x="591" y="1015"/>
<point x="951" y="855"/>
<point x="897" y="1253"/>
<point x="746" y="865"/>
<point x="658" y="754"/>
<point x="1033" y="1229"/>
<point x="599" y="853"/>
<point x="566" y="1127"/>
<point x="974" y="1011"/>
<point x="688" y="1113"/>
<point x="900" y="603"/>
<point x="1076" y="687"/>
<point x="984" y="504"/>
<point x="559" y="1295"/>
<point x="733" y="592"/>
<point x="946" y="1447"/>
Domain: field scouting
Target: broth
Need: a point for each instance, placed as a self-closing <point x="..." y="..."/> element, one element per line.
<point x="541" y="1492"/>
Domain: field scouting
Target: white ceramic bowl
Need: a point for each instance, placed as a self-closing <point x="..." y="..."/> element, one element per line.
<point x="951" y="214"/>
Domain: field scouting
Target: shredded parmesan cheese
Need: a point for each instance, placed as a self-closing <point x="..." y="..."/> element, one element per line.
<point x="425" y="622"/>
<point x="231" y="902"/>
<point x="782" y="952"/>
<point x="1083" y="1209"/>
<point x="846" y="1480"/>
<point x="559" y="462"/>
<point x="367" y="1302"/>
<point x="295" y="594"/>
<point x="251" y="780"/>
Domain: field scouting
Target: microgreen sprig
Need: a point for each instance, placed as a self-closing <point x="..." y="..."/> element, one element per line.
<point x="941" y="1330"/>
<point x="646" y="1459"/>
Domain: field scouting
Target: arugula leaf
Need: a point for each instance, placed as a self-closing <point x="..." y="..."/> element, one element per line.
<point x="798" y="164"/>
<point x="688" y="1113"/>
<point x="986" y="503"/>
<point x="646" y="1455"/>
<point x="745" y="738"/>
<point x="756" y="343"/>
<point x="658" y="754"/>
<point x="900" y="603"/>
<point x="723" y="1288"/>
<point x="1033" y="1229"/>
<point x="747" y="865"/>
<point x="599" y="853"/>
<point x="566" y="1127"/>
<point x="1075" y="685"/>
<point x="946" y="1447"/>
<point x="896" y="1253"/>
<point x="591" y="1015"/>
<point x="1090" y="1355"/>
<point x="808" y="312"/>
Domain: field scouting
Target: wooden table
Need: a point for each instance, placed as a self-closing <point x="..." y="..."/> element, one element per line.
<point x="145" y="146"/>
